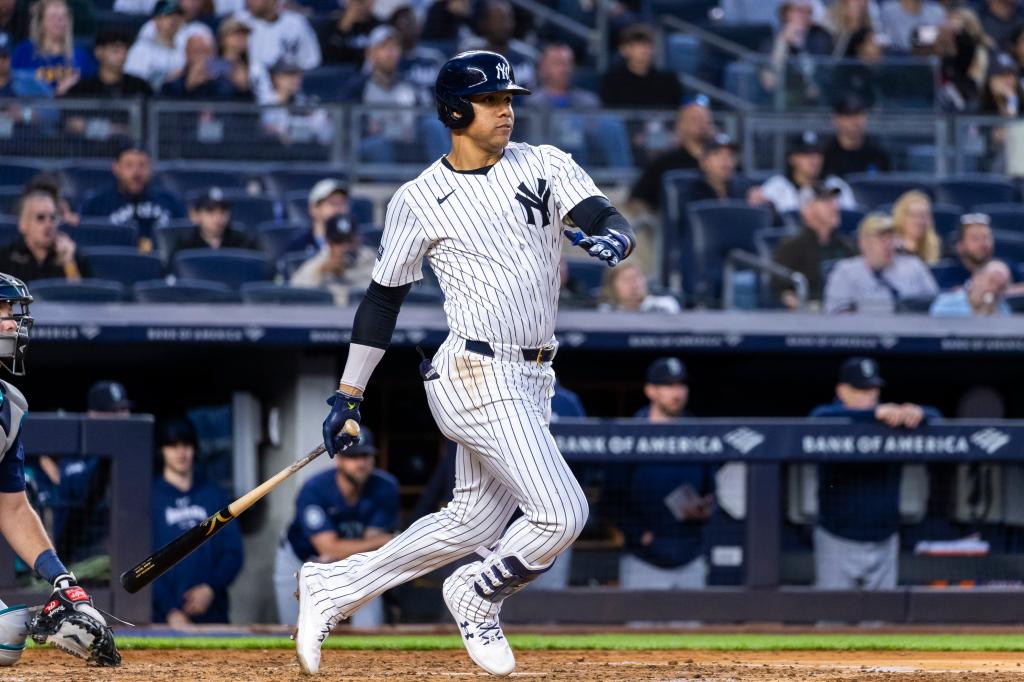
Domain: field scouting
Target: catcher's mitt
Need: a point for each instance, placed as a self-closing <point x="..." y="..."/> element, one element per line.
<point x="70" y="622"/>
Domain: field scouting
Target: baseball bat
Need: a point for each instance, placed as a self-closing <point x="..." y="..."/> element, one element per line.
<point x="160" y="561"/>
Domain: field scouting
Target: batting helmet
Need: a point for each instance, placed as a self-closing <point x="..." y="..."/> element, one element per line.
<point x="13" y="344"/>
<point x="467" y="74"/>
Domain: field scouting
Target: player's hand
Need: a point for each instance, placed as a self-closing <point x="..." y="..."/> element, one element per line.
<point x="889" y="414"/>
<point x="610" y="248"/>
<point x="197" y="600"/>
<point x="343" y="408"/>
<point x="71" y="623"/>
<point x="913" y="415"/>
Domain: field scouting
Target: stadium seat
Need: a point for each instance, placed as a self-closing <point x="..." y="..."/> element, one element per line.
<point x="17" y="174"/>
<point x="718" y="228"/>
<point x="8" y="230"/>
<point x="233" y="267"/>
<point x="248" y="211"/>
<point x="1005" y="217"/>
<point x="876" y="189"/>
<point x="82" y="291"/>
<point x="167" y="238"/>
<point x="325" y="82"/>
<point x="274" y="237"/>
<point x="101" y="233"/>
<point x="947" y="219"/>
<point x="1016" y="304"/>
<point x="768" y="239"/>
<point x="288" y="181"/>
<point x="183" y="291"/>
<point x="123" y="264"/>
<point x="84" y="180"/>
<point x="676" y="187"/>
<point x="693" y="11"/>
<point x="682" y="53"/>
<point x="849" y="220"/>
<point x="371" y="235"/>
<point x="1009" y="246"/>
<point x="972" y="190"/>
<point x="742" y="78"/>
<point x="947" y="274"/>
<point x="290" y="262"/>
<point x="916" y="305"/>
<point x="9" y="199"/>
<point x="187" y="182"/>
<point x="588" y="271"/>
<point x="361" y="209"/>
<point x="267" y="292"/>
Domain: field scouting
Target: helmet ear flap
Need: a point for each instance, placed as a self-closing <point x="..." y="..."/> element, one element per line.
<point x="455" y="112"/>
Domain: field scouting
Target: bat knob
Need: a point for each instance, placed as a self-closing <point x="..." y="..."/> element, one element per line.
<point x="351" y="428"/>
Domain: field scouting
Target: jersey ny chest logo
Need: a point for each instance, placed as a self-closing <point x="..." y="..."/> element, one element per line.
<point x="535" y="203"/>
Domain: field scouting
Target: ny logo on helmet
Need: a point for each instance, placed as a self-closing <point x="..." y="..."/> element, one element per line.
<point x="502" y="69"/>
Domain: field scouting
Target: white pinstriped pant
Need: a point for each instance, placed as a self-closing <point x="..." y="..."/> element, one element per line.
<point x="498" y="412"/>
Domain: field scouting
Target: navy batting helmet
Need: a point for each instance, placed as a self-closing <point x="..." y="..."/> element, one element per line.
<point x="467" y="74"/>
<point x="13" y="344"/>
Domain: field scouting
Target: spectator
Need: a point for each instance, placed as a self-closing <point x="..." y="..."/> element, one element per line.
<point x="17" y="84"/>
<point x="191" y="25"/>
<point x="636" y="83"/>
<point x="292" y="120"/>
<point x="157" y="56"/>
<point x="50" y="52"/>
<point x="915" y="227"/>
<point x="40" y="251"/>
<point x="343" y="265"/>
<point x="419" y="64"/>
<point x="50" y="182"/>
<point x="204" y="76"/>
<point x="1016" y="46"/>
<point x="1000" y="19"/>
<point x="797" y="41"/>
<point x="625" y="289"/>
<point x="975" y="245"/>
<point x="762" y="11"/>
<point x="496" y="26"/>
<point x="110" y="80"/>
<point x="851" y="150"/>
<point x="344" y="41"/>
<point x="901" y="17"/>
<point x="817" y="242"/>
<point x="879" y="278"/>
<point x="1002" y="92"/>
<point x="667" y="504"/>
<point x="965" y="51"/>
<point x="984" y="294"/>
<point x="211" y="216"/>
<point x="718" y="173"/>
<point x="856" y="539"/>
<point x="573" y="292"/>
<point x="847" y="18"/>
<point x="694" y="128"/>
<point x="133" y="200"/>
<point x="804" y="161"/>
<point x="328" y="199"/>
<point x="446" y="20"/>
<point x="348" y="509"/>
<point x="555" y="90"/>
<point x="195" y="590"/>
<point x="13" y="22"/>
<point x="278" y="37"/>
<point x="234" y="49"/>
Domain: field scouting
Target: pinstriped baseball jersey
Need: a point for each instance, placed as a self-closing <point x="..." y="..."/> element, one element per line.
<point x="493" y="240"/>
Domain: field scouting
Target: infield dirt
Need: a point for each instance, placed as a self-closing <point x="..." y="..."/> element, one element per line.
<point x="43" y="665"/>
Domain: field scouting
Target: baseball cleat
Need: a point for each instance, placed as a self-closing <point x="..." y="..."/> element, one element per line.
<point x="311" y="627"/>
<point x="484" y="641"/>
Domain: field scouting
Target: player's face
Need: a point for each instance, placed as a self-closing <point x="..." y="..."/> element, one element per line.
<point x="7" y="325"/>
<point x="669" y="399"/>
<point x="356" y="468"/>
<point x="178" y="458"/>
<point x="857" y="398"/>
<point x="493" y="120"/>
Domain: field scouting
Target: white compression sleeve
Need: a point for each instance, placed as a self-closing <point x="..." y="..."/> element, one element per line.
<point x="361" y="362"/>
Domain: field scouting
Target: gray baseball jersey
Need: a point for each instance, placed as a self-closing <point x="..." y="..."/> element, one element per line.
<point x="493" y="238"/>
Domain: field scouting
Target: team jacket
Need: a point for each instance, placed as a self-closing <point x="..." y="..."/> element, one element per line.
<point x="12" y="455"/>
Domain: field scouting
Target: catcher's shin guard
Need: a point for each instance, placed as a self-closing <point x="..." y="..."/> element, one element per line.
<point x="13" y="633"/>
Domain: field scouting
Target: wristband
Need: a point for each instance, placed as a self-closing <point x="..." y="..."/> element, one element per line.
<point x="49" y="567"/>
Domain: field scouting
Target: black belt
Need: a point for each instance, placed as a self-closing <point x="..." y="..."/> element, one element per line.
<point x="529" y="354"/>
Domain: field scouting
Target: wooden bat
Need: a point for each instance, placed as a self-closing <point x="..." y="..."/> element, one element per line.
<point x="160" y="561"/>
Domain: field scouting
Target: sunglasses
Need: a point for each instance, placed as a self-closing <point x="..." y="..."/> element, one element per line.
<point x="45" y="217"/>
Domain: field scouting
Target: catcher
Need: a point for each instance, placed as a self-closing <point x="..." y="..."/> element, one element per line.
<point x="68" y="620"/>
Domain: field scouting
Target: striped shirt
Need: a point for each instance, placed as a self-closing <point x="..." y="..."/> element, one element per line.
<point x="493" y="238"/>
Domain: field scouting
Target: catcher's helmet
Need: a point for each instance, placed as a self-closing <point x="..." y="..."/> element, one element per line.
<point x="467" y="74"/>
<point x="13" y="344"/>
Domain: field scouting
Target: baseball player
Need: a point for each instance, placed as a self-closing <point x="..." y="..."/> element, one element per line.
<point x="490" y="217"/>
<point x="68" y="620"/>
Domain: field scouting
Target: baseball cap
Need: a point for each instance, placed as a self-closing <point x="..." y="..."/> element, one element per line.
<point x="861" y="373"/>
<point x="110" y="36"/>
<point x="666" y="371"/>
<point x="340" y="228"/>
<point x="108" y="396"/>
<point x="698" y="100"/>
<point x="326" y="188"/>
<point x="875" y="224"/>
<point x="975" y="219"/>
<point x="164" y="7"/>
<point x="849" y="105"/>
<point x="211" y="198"/>
<point x="284" y="65"/>
<point x="380" y="34"/>
<point x="365" y="446"/>
<point x="719" y="141"/>
<point x="177" y="430"/>
<point x="807" y="143"/>
<point x="232" y="25"/>
<point x="636" y="33"/>
<point x="821" y="190"/>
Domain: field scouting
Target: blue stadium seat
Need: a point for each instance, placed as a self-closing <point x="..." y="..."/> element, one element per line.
<point x="693" y="11"/>
<point x="167" y="238"/>
<point x="287" y="181"/>
<point x="274" y="237"/>
<point x="82" y="291"/>
<point x="326" y="82"/>
<point x="8" y="230"/>
<point x="267" y="292"/>
<point x="1016" y="304"/>
<point x="9" y="199"/>
<point x="371" y="235"/>
<point x="1009" y="246"/>
<point x="947" y="219"/>
<point x="361" y="209"/>
<point x="849" y="220"/>
<point x="717" y="228"/>
<point x="17" y="174"/>
<point x="947" y="274"/>
<point x="676" y="187"/>
<point x="1005" y="217"/>
<point x="682" y="53"/>
<point x="80" y="181"/>
<point x="589" y="272"/>
<point x="742" y="79"/>
<point x="183" y="291"/>
<point x="189" y="182"/>
<point x="290" y="262"/>
<point x="101" y="233"/>
<point x="123" y="264"/>
<point x="233" y="267"/>
<point x="972" y="190"/>
<point x="919" y="305"/>
<point x="876" y="189"/>
<point x="768" y="239"/>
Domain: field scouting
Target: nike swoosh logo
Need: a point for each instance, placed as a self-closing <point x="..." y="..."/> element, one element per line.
<point x="441" y="200"/>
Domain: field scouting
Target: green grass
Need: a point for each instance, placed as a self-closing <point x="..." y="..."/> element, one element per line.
<point x="627" y="641"/>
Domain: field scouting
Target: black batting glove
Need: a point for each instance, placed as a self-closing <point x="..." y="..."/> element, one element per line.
<point x="343" y="408"/>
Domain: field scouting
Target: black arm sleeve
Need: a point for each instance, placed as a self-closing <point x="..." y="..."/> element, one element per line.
<point x="377" y="314"/>
<point x="596" y="216"/>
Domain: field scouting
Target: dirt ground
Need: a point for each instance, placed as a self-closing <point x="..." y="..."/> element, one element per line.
<point x="677" y="666"/>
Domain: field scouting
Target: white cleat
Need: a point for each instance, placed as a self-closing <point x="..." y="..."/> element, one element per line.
<point x="485" y="642"/>
<point x="311" y="627"/>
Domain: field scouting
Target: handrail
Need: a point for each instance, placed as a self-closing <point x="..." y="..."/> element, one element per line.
<point x="723" y="44"/>
<point x="763" y="266"/>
